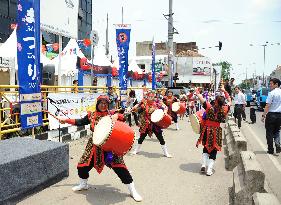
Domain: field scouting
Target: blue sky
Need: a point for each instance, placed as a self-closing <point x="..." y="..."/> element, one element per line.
<point x="237" y="23"/>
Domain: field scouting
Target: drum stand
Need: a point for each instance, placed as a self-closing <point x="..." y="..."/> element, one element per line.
<point x="57" y="112"/>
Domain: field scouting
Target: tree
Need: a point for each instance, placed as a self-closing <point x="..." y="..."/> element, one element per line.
<point x="225" y="72"/>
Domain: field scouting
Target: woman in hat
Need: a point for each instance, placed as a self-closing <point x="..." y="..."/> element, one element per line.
<point x="94" y="156"/>
<point x="145" y="108"/>
<point x="211" y="129"/>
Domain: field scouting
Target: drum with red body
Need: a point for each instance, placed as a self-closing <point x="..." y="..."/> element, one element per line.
<point x="161" y="119"/>
<point x="179" y="108"/>
<point x="116" y="137"/>
<point x="196" y="121"/>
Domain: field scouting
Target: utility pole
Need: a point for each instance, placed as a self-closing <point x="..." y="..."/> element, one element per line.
<point x="170" y="43"/>
<point x="122" y="15"/>
<point x="106" y="43"/>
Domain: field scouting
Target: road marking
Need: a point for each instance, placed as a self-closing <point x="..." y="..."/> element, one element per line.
<point x="273" y="159"/>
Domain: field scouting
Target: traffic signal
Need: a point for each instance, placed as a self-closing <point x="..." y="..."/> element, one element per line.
<point x="220" y="45"/>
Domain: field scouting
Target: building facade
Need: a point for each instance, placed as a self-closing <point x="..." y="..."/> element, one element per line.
<point x="188" y="63"/>
<point x="8" y="18"/>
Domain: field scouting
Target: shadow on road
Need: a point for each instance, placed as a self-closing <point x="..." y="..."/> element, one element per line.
<point x="150" y="155"/>
<point x="191" y="167"/>
<point x="260" y="152"/>
<point x="104" y="194"/>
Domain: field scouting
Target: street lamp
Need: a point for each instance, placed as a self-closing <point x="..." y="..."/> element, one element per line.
<point x="264" y="45"/>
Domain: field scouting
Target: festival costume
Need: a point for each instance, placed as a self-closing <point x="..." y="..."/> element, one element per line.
<point x="169" y="100"/>
<point x="145" y="109"/>
<point x="95" y="157"/>
<point x="191" y="104"/>
<point x="211" y="135"/>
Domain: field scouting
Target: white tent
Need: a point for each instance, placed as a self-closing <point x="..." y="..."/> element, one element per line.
<point x="9" y="48"/>
<point x="68" y="58"/>
<point x="134" y="67"/>
<point x="100" y="58"/>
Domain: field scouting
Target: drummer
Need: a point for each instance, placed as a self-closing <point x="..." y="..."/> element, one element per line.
<point x="145" y="108"/>
<point x="211" y="131"/>
<point x="169" y="100"/>
<point x="95" y="157"/>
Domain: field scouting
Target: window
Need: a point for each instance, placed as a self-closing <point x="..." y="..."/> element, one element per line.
<point x="13" y="9"/>
<point x="89" y="18"/>
<point x="4" y="7"/>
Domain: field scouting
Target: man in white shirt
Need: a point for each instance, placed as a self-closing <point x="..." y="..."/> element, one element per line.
<point x="272" y="116"/>
<point x="240" y="104"/>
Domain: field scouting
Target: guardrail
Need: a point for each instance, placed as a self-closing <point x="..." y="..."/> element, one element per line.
<point x="10" y="125"/>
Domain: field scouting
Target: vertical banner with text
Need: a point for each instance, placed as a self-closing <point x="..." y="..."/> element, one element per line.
<point x="153" y="66"/>
<point x="28" y="52"/>
<point x="123" y="40"/>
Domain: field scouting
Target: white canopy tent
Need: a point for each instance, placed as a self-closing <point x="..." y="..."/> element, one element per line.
<point x="134" y="67"/>
<point x="68" y="58"/>
<point x="100" y="59"/>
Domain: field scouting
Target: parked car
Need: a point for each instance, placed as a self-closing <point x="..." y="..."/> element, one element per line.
<point x="262" y="94"/>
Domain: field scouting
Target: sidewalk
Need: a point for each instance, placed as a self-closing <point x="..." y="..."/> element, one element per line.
<point x="160" y="180"/>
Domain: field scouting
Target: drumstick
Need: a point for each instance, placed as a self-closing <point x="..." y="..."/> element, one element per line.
<point x="51" y="115"/>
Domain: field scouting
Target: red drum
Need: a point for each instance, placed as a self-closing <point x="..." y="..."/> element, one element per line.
<point x="161" y="119"/>
<point x="178" y="108"/>
<point x="117" y="137"/>
<point x="196" y="121"/>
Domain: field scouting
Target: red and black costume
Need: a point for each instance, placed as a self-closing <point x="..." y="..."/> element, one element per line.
<point x="168" y="101"/>
<point x="145" y="109"/>
<point x="93" y="155"/>
<point x="211" y="132"/>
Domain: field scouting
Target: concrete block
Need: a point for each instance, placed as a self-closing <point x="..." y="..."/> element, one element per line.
<point x="42" y="136"/>
<point x="72" y="129"/>
<point x="83" y="133"/>
<point x="29" y="165"/>
<point x="254" y="176"/>
<point x="231" y="123"/>
<point x="232" y="157"/>
<point x="248" y="178"/>
<point x="66" y="138"/>
<point x="234" y="128"/>
<point x="240" y="141"/>
<point x="265" y="199"/>
<point x="53" y="134"/>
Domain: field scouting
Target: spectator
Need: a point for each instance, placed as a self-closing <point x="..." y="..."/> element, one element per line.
<point x="131" y="102"/>
<point x="272" y="116"/>
<point x="240" y="104"/>
<point x="113" y="98"/>
<point x="227" y="87"/>
<point x="75" y="89"/>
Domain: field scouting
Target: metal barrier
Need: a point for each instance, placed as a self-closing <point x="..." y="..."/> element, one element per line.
<point x="10" y="125"/>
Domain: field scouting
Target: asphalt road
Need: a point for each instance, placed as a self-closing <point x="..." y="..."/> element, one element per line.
<point x="160" y="180"/>
<point x="271" y="164"/>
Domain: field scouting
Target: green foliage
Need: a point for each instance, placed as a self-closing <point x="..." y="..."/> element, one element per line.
<point x="225" y="72"/>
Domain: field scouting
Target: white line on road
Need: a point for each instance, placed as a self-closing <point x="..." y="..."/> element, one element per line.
<point x="274" y="160"/>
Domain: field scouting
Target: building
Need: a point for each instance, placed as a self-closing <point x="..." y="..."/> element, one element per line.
<point x="8" y="15"/>
<point x="190" y="65"/>
<point x="276" y="73"/>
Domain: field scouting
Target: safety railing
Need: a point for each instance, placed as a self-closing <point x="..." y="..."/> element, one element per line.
<point x="10" y="125"/>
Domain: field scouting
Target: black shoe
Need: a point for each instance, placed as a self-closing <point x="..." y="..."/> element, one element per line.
<point x="203" y="169"/>
<point x="270" y="152"/>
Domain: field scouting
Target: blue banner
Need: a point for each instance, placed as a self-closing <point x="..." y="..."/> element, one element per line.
<point x="123" y="41"/>
<point x="153" y="66"/>
<point x="28" y="53"/>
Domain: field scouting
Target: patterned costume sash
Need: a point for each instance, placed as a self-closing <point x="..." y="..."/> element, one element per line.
<point x="211" y="132"/>
<point x="93" y="151"/>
